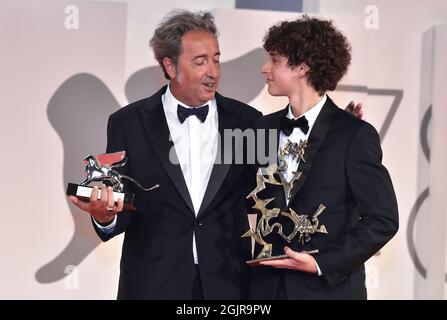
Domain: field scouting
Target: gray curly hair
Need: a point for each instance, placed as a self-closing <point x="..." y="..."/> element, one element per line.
<point x="166" y="41"/>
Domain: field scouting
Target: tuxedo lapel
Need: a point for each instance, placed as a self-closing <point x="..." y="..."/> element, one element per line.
<point x="317" y="135"/>
<point x="156" y="126"/>
<point x="227" y="119"/>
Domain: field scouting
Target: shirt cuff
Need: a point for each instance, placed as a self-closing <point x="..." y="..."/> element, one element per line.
<point x="108" y="229"/>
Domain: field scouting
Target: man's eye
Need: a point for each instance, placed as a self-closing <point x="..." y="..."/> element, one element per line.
<point x="199" y="62"/>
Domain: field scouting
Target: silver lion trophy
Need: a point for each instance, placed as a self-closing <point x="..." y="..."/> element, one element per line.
<point x="101" y="168"/>
<point x="304" y="226"/>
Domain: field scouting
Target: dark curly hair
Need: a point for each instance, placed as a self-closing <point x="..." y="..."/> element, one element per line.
<point x="315" y="42"/>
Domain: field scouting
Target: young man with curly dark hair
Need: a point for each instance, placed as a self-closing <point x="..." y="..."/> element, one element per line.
<point x="341" y="172"/>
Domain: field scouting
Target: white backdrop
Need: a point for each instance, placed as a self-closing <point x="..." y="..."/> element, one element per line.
<point x="60" y="76"/>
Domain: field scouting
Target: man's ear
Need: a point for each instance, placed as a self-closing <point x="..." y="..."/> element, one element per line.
<point x="170" y="67"/>
<point x="303" y="69"/>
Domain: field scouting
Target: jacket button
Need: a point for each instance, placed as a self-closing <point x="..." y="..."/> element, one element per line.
<point x="200" y="224"/>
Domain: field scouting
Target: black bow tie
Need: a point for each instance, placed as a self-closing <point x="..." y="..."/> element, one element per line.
<point x="199" y="112"/>
<point x="287" y="125"/>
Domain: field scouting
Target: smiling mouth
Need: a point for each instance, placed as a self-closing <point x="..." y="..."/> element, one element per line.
<point x="209" y="85"/>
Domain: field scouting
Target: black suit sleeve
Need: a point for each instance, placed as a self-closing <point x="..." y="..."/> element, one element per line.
<point x="115" y="143"/>
<point x="376" y="205"/>
<point x="252" y="168"/>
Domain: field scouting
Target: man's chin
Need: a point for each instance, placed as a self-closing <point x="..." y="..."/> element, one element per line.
<point x="209" y="95"/>
<point x="273" y="92"/>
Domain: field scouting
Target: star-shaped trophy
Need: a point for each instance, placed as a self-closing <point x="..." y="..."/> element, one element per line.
<point x="304" y="226"/>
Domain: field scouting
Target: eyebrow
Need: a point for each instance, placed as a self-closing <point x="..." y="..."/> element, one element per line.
<point x="205" y="56"/>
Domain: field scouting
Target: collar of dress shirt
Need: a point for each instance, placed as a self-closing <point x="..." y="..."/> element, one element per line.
<point x="170" y="106"/>
<point x="311" y="114"/>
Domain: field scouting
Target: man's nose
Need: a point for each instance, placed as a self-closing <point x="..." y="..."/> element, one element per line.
<point x="213" y="69"/>
<point x="265" y="67"/>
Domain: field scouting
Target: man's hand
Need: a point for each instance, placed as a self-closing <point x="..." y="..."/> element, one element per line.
<point x="355" y="109"/>
<point x="295" y="261"/>
<point x="103" y="210"/>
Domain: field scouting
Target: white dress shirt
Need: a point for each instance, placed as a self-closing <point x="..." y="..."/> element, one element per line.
<point x="196" y="145"/>
<point x="196" y="148"/>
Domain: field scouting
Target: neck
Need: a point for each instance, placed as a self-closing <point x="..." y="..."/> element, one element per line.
<point x="303" y="101"/>
<point x="177" y="94"/>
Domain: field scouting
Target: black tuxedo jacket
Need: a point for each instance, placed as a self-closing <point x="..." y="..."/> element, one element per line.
<point x="157" y="260"/>
<point x="343" y="171"/>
